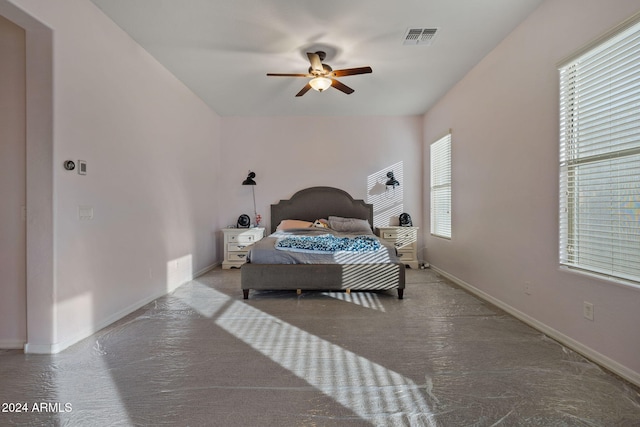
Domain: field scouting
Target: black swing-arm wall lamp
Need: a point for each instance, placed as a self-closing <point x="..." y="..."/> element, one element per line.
<point x="250" y="181"/>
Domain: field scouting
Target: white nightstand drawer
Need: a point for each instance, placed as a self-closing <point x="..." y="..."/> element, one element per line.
<point x="406" y="255"/>
<point x="389" y="235"/>
<point x="237" y="256"/>
<point x="400" y="234"/>
<point x="243" y="238"/>
<point x="234" y="247"/>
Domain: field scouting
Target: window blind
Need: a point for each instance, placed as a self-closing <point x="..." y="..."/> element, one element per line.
<point x="441" y="187"/>
<point x="600" y="158"/>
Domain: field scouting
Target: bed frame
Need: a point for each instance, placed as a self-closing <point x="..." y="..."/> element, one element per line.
<point x="308" y="205"/>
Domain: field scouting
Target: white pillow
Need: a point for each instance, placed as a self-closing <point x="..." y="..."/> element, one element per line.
<point x="349" y="225"/>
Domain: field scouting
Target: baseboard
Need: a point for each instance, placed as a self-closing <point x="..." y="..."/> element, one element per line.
<point x="589" y="353"/>
<point x="87" y="332"/>
<point x="205" y="270"/>
<point x="40" y="348"/>
<point x="11" y="344"/>
<point x="58" y="347"/>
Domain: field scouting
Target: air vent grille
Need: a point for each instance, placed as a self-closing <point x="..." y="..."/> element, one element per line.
<point x="420" y="36"/>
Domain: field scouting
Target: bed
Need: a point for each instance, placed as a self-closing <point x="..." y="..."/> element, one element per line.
<point x="285" y="271"/>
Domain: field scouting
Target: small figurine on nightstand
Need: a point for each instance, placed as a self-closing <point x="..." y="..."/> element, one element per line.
<point x="258" y="219"/>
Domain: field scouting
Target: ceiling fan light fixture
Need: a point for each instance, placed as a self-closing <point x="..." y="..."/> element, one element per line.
<point x="323" y="76"/>
<point x="320" y="83"/>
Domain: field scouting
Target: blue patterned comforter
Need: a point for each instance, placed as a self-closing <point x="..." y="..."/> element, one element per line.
<point x="328" y="243"/>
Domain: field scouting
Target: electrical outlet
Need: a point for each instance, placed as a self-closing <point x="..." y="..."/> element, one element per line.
<point x="527" y="288"/>
<point x="587" y="310"/>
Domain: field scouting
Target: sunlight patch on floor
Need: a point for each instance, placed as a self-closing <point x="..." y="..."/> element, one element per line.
<point x="201" y="298"/>
<point x="364" y="299"/>
<point x="370" y="390"/>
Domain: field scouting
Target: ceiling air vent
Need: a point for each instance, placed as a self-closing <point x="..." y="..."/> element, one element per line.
<point x="420" y="36"/>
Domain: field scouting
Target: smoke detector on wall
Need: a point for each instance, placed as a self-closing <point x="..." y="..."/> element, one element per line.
<point x="419" y="36"/>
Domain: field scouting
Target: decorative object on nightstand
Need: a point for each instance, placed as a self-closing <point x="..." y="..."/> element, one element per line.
<point x="243" y="221"/>
<point x="405" y="220"/>
<point x="405" y="239"/>
<point x="250" y="181"/>
<point x="237" y="242"/>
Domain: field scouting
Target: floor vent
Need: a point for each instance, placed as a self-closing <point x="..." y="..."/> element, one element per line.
<point x="420" y="36"/>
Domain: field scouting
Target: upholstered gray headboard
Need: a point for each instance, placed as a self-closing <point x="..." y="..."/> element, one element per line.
<point x="320" y="202"/>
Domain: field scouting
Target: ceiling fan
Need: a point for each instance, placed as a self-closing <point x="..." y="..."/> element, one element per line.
<point x="323" y="76"/>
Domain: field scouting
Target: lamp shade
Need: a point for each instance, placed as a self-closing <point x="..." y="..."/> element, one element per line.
<point x="320" y="83"/>
<point x="249" y="180"/>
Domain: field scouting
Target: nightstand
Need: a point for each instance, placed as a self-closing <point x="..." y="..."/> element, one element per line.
<point x="405" y="239"/>
<point x="237" y="242"/>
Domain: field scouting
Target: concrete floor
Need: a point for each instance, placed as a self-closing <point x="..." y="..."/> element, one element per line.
<point x="203" y="356"/>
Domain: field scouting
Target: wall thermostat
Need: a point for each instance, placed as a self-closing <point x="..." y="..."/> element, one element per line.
<point x="69" y="165"/>
<point x="82" y="167"/>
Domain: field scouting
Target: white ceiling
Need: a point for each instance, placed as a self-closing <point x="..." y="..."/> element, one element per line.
<point x="223" y="50"/>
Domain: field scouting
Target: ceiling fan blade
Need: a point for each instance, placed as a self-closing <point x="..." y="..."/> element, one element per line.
<point x="289" y="75"/>
<point x="352" y="71"/>
<point x="341" y="87"/>
<point x="316" y="63"/>
<point x="304" y="90"/>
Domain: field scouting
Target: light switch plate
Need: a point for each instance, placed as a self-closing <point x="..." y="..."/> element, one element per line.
<point x="85" y="213"/>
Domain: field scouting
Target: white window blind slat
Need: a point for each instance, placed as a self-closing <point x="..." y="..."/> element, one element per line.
<point x="600" y="159"/>
<point x="441" y="187"/>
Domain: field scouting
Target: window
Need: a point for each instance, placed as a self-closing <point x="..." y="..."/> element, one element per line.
<point x="441" y="187"/>
<point x="600" y="158"/>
